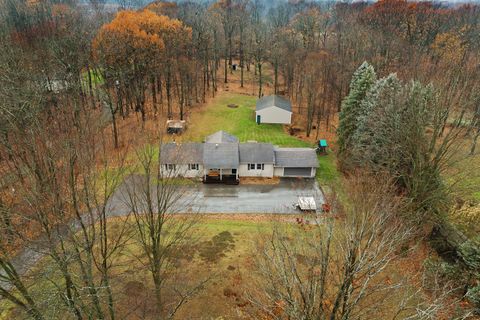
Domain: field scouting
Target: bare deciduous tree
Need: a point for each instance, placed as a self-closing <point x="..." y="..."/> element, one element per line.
<point x="156" y="200"/>
<point x="335" y="269"/>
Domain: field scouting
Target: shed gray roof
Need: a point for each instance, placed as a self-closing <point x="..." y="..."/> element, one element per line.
<point x="221" y="137"/>
<point x="270" y="101"/>
<point x="220" y="155"/>
<point x="256" y="153"/>
<point x="182" y="153"/>
<point x="296" y="157"/>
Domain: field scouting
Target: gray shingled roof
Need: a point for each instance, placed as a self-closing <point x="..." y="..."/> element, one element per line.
<point x="182" y="153"/>
<point x="296" y="157"/>
<point x="270" y="101"/>
<point x="220" y="155"/>
<point x="221" y="137"/>
<point x="256" y="153"/>
<point x="228" y="155"/>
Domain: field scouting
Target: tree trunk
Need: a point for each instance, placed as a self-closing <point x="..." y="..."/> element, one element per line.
<point x="154" y="95"/>
<point x="241" y="57"/>
<point x="90" y="87"/>
<point x="230" y="59"/>
<point x="275" y="69"/>
<point x="474" y="142"/>
<point x="168" y="88"/>
<point x="260" y="80"/>
<point x="115" y="130"/>
<point x="226" y="72"/>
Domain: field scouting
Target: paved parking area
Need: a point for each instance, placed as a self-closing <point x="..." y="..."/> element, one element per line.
<point x="219" y="198"/>
<point x="280" y="198"/>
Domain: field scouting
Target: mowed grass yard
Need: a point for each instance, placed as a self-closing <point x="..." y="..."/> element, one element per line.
<point x="222" y="250"/>
<point x="216" y="115"/>
<point x="464" y="173"/>
<point x="240" y="121"/>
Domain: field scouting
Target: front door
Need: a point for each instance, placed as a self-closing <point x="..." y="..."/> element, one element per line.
<point x="258" y="118"/>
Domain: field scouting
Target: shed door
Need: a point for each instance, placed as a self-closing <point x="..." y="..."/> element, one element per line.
<point x="258" y="118"/>
<point x="297" y="172"/>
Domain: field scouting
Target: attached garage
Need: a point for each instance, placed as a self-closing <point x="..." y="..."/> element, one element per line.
<point x="297" y="172"/>
<point x="295" y="162"/>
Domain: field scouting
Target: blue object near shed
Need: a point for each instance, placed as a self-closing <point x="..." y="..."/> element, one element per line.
<point x="322" y="146"/>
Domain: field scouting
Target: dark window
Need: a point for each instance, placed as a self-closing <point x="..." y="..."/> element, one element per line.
<point x="170" y="166"/>
<point x="234" y="171"/>
<point x="193" y="166"/>
<point x="260" y="166"/>
<point x="251" y="166"/>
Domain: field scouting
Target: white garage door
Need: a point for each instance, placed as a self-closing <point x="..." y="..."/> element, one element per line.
<point x="297" y="172"/>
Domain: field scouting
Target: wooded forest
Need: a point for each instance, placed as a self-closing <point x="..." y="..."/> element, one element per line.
<point x="86" y="88"/>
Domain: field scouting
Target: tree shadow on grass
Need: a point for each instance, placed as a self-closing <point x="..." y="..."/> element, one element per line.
<point x="213" y="250"/>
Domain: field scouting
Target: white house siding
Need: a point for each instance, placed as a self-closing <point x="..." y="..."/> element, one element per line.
<point x="267" y="171"/>
<point x="181" y="170"/>
<point x="274" y="115"/>
<point x="278" y="172"/>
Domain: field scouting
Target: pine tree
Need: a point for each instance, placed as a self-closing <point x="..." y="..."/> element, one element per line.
<point x="366" y="141"/>
<point x="361" y="82"/>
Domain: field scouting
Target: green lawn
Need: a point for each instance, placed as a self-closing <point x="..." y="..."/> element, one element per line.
<point x="464" y="172"/>
<point x="216" y="115"/>
<point x="327" y="173"/>
<point x="237" y="121"/>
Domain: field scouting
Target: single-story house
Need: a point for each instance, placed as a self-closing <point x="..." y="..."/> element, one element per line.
<point x="273" y="109"/>
<point x="223" y="158"/>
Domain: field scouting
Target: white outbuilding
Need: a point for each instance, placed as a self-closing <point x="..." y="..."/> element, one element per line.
<point x="273" y="109"/>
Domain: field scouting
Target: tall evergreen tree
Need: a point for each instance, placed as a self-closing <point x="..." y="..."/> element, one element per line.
<point x="365" y="142"/>
<point x="361" y="82"/>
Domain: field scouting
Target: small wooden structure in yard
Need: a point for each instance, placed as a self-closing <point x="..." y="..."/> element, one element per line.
<point x="176" y="126"/>
<point x="307" y="204"/>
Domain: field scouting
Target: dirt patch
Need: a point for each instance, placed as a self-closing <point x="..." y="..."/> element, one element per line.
<point x="233" y="106"/>
<point x="212" y="251"/>
<point x="183" y="253"/>
<point x="302" y="259"/>
<point x="260" y="181"/>
<point x="229" y="293"/>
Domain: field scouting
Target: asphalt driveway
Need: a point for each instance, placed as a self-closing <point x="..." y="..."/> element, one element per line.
<point x="219" y="198"/>
<point x="202" y="198"/>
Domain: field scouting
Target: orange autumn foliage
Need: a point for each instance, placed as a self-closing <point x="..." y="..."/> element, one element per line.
<point x="449" y="47"/>
<point x="413" y="21"/>
<point x="134" y="37"/>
